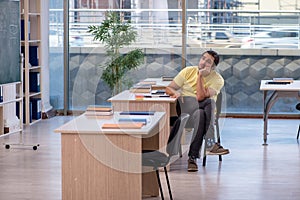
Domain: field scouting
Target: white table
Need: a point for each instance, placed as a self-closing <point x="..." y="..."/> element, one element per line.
<point x="107" y="163"/>
<point x="277" y="91"/>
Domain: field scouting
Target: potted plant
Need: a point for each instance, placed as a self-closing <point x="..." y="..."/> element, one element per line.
<point x="116" y="34"/>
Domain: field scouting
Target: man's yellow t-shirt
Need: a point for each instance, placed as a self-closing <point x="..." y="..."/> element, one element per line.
<point x="187" y="81"/>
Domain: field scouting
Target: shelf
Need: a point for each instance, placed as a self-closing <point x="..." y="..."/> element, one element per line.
<point x="34" y="14"/>
<point x="15" y="131"/>
<point x="32" y="49"/>
<point x="11" y="101"/>
<point x="35" y="121"/>
<point x="34" y="68"/>
<point x="34" y="94"/>
<point x="34" y="41"/>
<point x="12" y="96"/>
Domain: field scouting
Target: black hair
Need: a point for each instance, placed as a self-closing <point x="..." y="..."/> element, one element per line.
<point x="214" y="55"/>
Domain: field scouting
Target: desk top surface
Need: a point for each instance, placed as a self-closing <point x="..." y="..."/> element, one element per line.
<point x="84" y="124"/>
<point x="128" y="96"/>
<point x="294" y="86"/>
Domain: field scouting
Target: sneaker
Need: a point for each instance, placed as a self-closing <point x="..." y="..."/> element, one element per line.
<point x="192" y="165"/>
<point x="217" y="149"/>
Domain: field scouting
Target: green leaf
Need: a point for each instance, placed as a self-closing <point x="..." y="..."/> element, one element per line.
<point x="116" y="34"/>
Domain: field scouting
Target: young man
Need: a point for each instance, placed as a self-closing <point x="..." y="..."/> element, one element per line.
<point x="196" y="88"/>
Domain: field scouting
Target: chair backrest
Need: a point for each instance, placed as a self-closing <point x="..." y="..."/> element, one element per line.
<point x="176" y="134"/>
<point x="298" y="106"/>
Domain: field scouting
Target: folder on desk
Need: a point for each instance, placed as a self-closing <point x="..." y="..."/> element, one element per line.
<point x="122" y="126"/>
<point x="158" y="92"/>
<point x="134" y="120"/>
<point x="167" y="78"/>
<point x="137" y="113"/>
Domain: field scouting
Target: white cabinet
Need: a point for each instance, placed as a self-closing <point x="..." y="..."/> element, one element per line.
<point x="11" y="109"/>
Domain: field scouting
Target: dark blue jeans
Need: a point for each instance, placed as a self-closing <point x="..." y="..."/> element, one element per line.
<point x="201" y="120"/>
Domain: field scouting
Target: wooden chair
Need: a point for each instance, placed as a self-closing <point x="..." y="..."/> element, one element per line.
<point x="158" y="159"/>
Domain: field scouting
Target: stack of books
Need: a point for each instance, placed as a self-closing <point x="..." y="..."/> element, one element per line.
<point x="99" y="110"/>
<point x="146" y="87"/>
<point x="286" y="80"/>
<point x="141" y="89"/>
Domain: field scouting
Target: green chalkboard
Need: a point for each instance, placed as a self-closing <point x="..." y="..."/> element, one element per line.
<point x="9" y="41"/>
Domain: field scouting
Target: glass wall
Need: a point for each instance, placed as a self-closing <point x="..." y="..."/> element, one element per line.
<point x="253" y="45"/>
<point x="56" y="56"/>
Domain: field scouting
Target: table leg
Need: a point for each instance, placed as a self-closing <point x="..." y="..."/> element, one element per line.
<point x="268" y="103"/>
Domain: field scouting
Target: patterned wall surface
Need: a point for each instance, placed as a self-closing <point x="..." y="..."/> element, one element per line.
<point x="242" y="76"/>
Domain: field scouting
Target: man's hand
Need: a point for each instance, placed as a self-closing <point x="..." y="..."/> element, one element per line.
<point x="173" y="93"/>
<point x="204" y="71"/>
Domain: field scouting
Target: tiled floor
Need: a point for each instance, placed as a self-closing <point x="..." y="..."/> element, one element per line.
<point x="251" y="171"/>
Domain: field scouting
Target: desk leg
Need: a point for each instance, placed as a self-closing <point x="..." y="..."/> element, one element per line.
<point x="268" y="103"/>
<point x="265" y="118"/>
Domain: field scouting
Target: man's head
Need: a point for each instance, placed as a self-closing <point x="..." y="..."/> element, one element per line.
<point x="214" y="55"/>
<point x="209" y="59"/>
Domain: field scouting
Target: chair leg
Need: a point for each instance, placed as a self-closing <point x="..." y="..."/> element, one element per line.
<point x="204" y="152"/>
<point x="180" y="151"/>
<point x="169" y="187"/>
<point x="218" y="136"/>
<point x="159" y="184"/>
<point x="204" y="160"/>
<point x="298" y="132"/>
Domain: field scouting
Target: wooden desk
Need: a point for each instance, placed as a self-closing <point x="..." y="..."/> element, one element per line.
<point x="126" y="101"/>
<point x="277" y="91"/>
<point x="106" y="163"/>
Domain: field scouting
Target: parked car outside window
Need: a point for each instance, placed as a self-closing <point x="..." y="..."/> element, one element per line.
<point x="276" y="38"/>
<point x="217" y="39"/>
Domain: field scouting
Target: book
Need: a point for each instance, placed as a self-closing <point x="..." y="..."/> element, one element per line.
<point x="97" y="113"/>
<point x="158" y="92"/>
<point x="278" y="82"/>
<point x="137" y="113"/>
<point x="167" y="78"/>
<point x="122" y="126"/>
<point x="134" y="120"/>
<point x="99" y="108"/>
<point x="156" y="96"/>
<point x="146" y="83"/>
<point x="290" y="80"/>
<point x="141" y="89"/>
<point x="100" y="117"/>
<point x="158" y="87"/>
<point x="1" y="94"/>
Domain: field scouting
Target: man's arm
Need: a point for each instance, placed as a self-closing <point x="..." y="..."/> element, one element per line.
<point x="202" y="91"/>
<point x="172" y="90"/>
